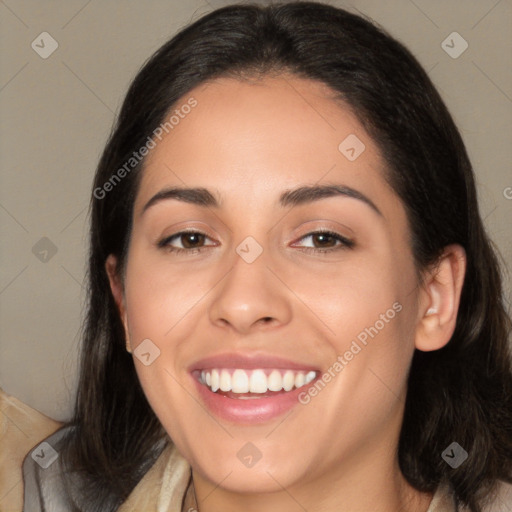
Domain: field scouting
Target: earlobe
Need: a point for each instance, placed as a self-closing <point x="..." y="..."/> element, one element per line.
<point x="116" y="286"/>
<point x="439" y="300"/>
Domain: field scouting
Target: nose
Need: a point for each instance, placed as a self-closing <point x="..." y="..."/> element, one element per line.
<point x="250" y="297"/>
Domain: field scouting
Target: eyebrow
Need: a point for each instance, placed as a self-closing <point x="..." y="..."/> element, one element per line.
<point x="201" y="196"/>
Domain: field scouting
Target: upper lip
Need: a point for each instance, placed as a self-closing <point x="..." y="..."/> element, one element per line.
<point x="249" y="361"/>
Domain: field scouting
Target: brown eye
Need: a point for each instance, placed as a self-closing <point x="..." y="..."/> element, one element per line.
<point x="190" y="240"/>
<point x="324" y="239"/>
<point x="327" y="241"/>
<point x="184" y="241"/>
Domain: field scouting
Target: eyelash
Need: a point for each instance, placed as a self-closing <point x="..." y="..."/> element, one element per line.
<point x="345" y="243"/>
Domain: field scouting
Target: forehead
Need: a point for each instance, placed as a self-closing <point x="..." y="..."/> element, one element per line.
<point x="258" y="137"/>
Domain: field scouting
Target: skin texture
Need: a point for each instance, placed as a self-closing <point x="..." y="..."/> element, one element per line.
<point x="249" y="141"/>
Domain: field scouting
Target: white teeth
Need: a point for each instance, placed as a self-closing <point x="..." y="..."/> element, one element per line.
<point x="254" y="381"/>
<point x="258" y="382"/>
<point x="309" y="377"/>
<point x="288" y="380"/>
<point x="275" y="381"/>
<point x="225" y="381"/>
<point x="215" y="380"/>
<point x="239" y="382"/>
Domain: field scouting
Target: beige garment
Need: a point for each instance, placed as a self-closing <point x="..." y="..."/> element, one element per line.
<point x="165" y="487"/>
<point x="21" y="428"/>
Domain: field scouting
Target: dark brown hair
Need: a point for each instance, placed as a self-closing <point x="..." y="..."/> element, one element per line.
<point x="460" y="393"/>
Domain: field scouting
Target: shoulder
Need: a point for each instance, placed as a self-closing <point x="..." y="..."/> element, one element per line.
<point x="45" y="487"/>
<point x="499" y="501"/>
<point x="21" y="429"/>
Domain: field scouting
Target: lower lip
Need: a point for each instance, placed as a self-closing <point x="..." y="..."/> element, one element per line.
<point x="250" y="411"/>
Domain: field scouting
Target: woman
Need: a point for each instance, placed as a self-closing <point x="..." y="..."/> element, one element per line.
<point x="293" y="304"/>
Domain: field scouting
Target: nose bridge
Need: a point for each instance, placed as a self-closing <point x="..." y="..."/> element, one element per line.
<point x="250" y="293"/>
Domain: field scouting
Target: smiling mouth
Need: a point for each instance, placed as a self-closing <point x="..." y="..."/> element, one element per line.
<point x="254" y="383"/>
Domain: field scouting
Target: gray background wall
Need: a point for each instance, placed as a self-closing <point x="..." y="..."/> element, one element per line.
<point x="56" y="113"/>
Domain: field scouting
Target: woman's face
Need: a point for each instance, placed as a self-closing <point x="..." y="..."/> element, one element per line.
<point x="256" y="299"/>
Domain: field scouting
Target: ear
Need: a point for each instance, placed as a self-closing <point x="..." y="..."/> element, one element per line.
<point x="116" y="286"/>
<point x="439" y="299"/>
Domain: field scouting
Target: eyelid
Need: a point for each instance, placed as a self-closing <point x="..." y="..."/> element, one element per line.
<point x="326" y="225"/>
<point x="191" y="226"/>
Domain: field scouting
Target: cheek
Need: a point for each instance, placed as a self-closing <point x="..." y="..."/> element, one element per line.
<point x="350" y="296"/>
<point x="369" y="307"/>
<point x="165" y="304"/>
<point x="158" y="295"/>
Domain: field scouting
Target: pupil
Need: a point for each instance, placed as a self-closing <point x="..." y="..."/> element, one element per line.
<point x="322" y="238"/>
<point x="192" y="236"/>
